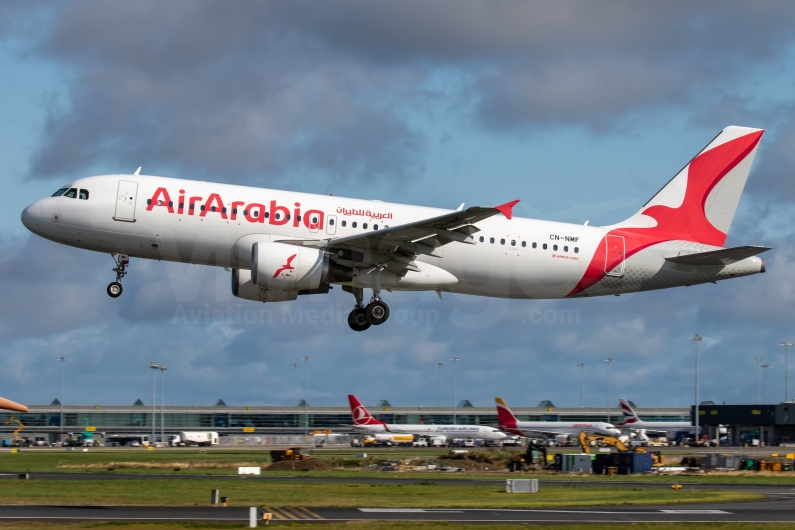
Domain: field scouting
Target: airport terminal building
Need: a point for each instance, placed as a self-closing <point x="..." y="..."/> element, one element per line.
<point x="45" y="420"/>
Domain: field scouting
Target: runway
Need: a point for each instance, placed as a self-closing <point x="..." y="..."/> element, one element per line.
<point x="763" y="511"/>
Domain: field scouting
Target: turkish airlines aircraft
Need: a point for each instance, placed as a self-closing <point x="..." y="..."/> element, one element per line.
<point x="364" y="421"/>
<point x="282" y="244"/>
<point x="559" y="430"/>
<point x="669" y="429"/>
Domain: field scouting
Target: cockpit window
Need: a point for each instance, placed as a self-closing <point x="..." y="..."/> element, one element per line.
<point x="83" y="195"/>
<point x="72" y="193"/>
<point x="59" y="192"/>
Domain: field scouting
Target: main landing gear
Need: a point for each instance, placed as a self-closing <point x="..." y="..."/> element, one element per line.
<point x="374" y="314"/>
<point x="115" y="288"/>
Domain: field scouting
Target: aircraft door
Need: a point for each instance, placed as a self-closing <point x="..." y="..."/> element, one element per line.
<point x="331" y="225"/>
<point x="614" y="256"/>
<point x="125" y="201"/>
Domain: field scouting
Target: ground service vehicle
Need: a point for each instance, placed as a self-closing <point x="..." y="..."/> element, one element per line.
<point x="194" y="438"/>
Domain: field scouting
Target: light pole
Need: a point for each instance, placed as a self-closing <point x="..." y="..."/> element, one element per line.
<point x="786" y="369"/>
<point x="61" y="359"/>
<point x="295" y="382"/>
<point x="609" y="361"/>
<point x="306" y="396"/>
<point x="696" y="339"/>
<point x="581" y="366"/>
<point x="757" y="360"/>
<point x="162" y="405"/>
<point x="455" y="404"/>
<point x="439" y="366"/>
<point x="153" y="365"/>
<point x="765" y="366"/>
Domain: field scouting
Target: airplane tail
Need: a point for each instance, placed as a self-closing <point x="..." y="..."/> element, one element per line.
<point x="698" y="204"/>
<point x="504" y="414"/>
<point x="630" y="416"/>
<point x="361" y="416"/>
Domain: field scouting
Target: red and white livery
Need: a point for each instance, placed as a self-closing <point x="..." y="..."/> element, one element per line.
<point x="281" y="245"/>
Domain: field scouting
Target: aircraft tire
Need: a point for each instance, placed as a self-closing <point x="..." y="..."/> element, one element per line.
<point x="376" y="312"/>
<point x="114" y="289"/>
<point x="357" y="320"/>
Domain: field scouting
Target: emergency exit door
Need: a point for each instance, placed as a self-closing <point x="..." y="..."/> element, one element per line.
<point x="125" y="201"/>
<point x="614" y="255"/>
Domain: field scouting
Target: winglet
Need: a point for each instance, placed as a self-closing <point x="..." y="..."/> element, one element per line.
<point x="507" y="208"/>
<point x="137" y="171"/>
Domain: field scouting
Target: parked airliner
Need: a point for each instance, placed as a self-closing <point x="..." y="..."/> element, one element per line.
<point x="365" y="422"/>
<point x="280" y="245"/>
<point x="560" y="431"/>
<point x="670" y="429"/>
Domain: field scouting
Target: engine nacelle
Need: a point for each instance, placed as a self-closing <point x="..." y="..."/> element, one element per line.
<point x="287" y="267"/>
<point x="561" y="439"/>
<point x="243" y="287"/>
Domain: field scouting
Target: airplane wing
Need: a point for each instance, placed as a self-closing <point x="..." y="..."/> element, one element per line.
<point x="722" y="257"/>
<point x="395" y="248"/>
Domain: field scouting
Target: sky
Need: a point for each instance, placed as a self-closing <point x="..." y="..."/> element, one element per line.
<point x="583" y="110"/>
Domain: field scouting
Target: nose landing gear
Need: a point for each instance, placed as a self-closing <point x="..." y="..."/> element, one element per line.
<point x="361" y="317"/>
<point x="114" y="288"/>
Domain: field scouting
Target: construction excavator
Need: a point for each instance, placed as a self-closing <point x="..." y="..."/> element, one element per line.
<point x="18" y="441"/>
<point x="586" y="439"/>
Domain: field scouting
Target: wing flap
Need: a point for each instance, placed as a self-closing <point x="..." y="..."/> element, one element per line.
<point x="722" y="257"/>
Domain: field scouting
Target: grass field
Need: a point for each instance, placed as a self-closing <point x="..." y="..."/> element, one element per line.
<point x="381" y="525"/>
<point x="343" y="463"/>
<point x="426" y="494"/>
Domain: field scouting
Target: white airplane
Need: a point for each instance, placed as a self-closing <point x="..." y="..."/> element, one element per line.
<point x="560" y="431"/>
<point x="669" y="429"/>
<point x="282" y="244"/>
<point x="365" y="422"/>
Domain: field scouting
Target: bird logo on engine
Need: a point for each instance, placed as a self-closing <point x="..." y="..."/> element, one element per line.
<point x="286" y="267"/>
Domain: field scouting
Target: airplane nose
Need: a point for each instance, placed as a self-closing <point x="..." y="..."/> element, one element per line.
<point x="31" y="216"/>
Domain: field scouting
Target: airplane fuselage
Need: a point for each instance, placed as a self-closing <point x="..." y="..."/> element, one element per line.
<point x="214" y="224"/>
<point x="475" y="432"/>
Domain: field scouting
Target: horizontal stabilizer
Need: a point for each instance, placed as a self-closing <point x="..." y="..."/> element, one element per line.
<point x="722" y="257"/>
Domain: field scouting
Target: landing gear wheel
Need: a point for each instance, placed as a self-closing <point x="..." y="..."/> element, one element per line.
<point x="357" y="321"/>
<point x="114" y="289"/>
<point x="376" y="312"/>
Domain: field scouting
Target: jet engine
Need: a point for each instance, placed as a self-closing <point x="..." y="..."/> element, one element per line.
<point x="281" y="272"/>
<point x="561" y="439"/>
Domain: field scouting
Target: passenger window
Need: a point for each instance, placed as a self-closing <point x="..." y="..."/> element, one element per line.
<point x="554" y="247"/>
<point x="491" y="240"/>
<point x="59" y="192"/>
<point x="544" y="246"/>
<point x="565" y="249"/>
<point x="364" y="225"/>
<point x="344" y="223"/>
<point x="298" y="218"/>
<point x="513" y="242"/>
<point x="481" y="239"/>
<point x="331" y="222"/>
<point x="72" y="193"/>
<point x="524" y="243"/>
<point x="84" y="195"/>
<point x="576" y="250"/>
<point x="534" y="245"/>
<point x="287" y="216"/>
<point x="375" y="227"/>
<point x="267" y="214"/>
<point x="353" y="224"/>
<point x="254" y="214"/>
<point x="502" y="241"/>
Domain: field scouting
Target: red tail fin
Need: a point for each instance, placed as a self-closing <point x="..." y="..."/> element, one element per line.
<point x="504" y="414"/>
<point x="361" y="416"/>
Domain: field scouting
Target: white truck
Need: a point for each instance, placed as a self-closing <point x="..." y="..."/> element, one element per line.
<point x="190" y="438"/>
